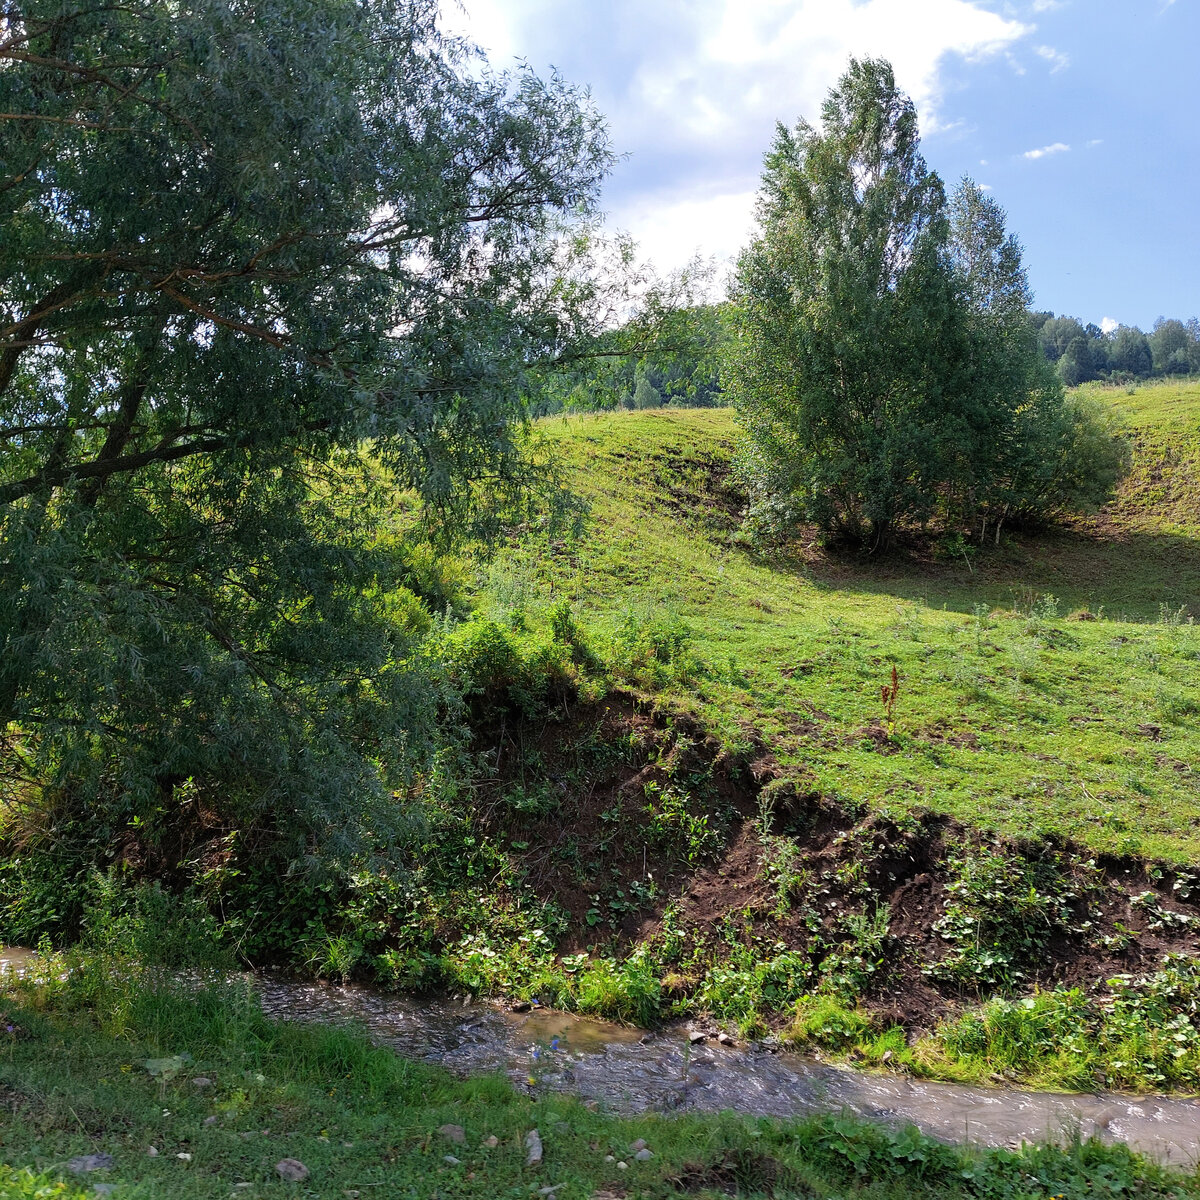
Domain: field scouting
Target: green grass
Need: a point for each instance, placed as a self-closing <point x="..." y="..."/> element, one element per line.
<point x="1010" y="714"/>
<point x="78" y="1076"/>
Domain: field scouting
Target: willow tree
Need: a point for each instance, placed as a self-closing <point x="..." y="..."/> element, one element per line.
<point x="238" y="244"/>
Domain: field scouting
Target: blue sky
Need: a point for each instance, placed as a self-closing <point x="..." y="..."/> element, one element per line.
<point x="1082" y="116"/>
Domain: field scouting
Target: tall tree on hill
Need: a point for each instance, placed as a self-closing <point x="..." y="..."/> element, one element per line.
<point x="1169" y="343"/>
<point x="845" y="306"/>
<point x="1130" y="352"/>
<point x="1057" y="334"/>
<point x="235" y="245"/>
<point x="886" y="368"/>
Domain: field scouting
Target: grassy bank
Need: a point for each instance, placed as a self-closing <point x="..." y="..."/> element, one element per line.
<point x="107" y="1062"/>
<point x="1016" y="709"/>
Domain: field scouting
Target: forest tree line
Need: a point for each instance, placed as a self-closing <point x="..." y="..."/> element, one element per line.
<point x="1082" y="352"/>
<point x="692" y="376"/>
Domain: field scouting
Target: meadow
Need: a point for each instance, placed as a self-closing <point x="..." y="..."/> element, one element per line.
<point x="1046" y="686"/>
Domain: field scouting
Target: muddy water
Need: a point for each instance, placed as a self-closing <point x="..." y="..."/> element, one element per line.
<point x="14" y="959"/>
<point x="628" y="1070"/>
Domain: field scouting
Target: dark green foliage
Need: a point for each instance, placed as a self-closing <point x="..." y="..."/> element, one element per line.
<point x="1130" y="353"/>
<point x="1170" y="343"/>
<point x="885" y="371"/>
<point x="1079" y="364"/>
<point x="236" y="252"/>
<point x="1083" y="353"/>
<point x="497" y="669"/>
<point x="843" y="307"/>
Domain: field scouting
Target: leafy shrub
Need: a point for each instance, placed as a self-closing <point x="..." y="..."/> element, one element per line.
<point x="677" y="822"/>
<point x="1002" y="910"/>
<point x="41" y="895"/>
<point x="497" y="669"/>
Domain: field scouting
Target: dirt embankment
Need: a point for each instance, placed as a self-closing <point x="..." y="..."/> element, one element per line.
<point x="627" y="816"/>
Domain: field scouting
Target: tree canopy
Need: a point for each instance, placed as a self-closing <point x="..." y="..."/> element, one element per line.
<point x="240" y="250"/>
<point x="885" y="368"/>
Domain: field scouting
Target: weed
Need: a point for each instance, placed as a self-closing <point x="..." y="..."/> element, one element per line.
<point x="851" y="968"/>
<point x="888" y="693"/>
<point x="333" y="956"/>
<point x="675" y="825"/>
<point x="1001" y="912"/>
<point x="781" y="866"/>
<point x="1173" y="617"/>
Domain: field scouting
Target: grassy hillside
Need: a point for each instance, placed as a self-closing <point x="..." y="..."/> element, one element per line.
<point x="1046" y="687"/>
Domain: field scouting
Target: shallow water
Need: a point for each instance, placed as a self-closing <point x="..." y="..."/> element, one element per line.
<point x="628" y="1070"/>
<point x="15" y="959"/>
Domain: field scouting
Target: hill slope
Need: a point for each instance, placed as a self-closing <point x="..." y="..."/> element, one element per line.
<point x="1011" y="715"/>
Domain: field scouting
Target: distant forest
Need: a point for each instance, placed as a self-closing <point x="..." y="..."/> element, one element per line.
<point x="691" y="376"/>
<point x="1085" y="352"/>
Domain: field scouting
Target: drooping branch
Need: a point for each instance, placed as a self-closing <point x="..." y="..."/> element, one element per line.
<point x="22" y="332"/>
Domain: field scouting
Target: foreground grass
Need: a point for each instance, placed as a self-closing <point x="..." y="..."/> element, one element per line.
<point x="1011" y="715"/>
<point x="89" y="1068"/>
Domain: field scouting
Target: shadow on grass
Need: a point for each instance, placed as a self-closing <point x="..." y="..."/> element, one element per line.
<point x="1129" y="575"/>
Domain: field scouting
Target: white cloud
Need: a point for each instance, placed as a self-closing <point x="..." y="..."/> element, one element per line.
<point x="1045" y="151"/>
<point x="1056" y="58"/>
<point x="748" y="63"/>
<point x="1095" y="142"/>
<point x="487" y="23"/>
<point x="1108" y="324"/>
<point x="675" y="228"/>
<point x="693" y="88"/>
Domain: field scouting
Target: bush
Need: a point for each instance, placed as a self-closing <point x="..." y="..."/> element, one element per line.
<point x="503" y="670"/>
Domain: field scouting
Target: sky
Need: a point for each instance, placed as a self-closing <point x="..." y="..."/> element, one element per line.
<point x="1081" y="116"/>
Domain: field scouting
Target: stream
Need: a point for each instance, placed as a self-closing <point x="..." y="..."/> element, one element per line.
<point x="630" y="1070"/>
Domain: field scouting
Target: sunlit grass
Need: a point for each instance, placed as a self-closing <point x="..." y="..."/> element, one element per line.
<point x="1010" y="715"/>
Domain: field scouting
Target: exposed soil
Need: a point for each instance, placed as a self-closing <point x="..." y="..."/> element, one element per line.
<point x="609" y="767"/>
